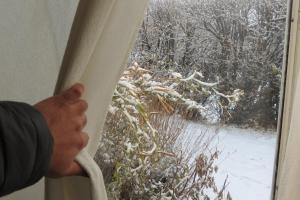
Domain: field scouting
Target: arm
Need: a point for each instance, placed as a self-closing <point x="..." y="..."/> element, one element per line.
<point x="41" y="140"/>
<point x="25" y="146"/>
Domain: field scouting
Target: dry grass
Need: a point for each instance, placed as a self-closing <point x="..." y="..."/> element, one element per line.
<point x="142" y="154"/>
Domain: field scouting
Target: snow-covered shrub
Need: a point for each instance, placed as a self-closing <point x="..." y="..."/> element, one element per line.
<point x="138" y="153"/>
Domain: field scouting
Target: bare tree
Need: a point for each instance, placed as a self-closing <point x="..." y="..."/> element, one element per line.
<point x="238" y="43"/>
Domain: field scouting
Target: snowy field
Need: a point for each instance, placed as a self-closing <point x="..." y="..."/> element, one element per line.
<point x="247" y="159"/>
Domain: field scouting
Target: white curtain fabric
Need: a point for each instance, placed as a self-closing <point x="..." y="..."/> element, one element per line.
<point x="101" y="39"/>
<point x="288" y="180"/>
<point x="29" y="55"/>
<point x="33" y="38"/>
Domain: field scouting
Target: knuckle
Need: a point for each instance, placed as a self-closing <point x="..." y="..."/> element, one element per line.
<point x="80" y="123"/>
<point x="83" y="104"/>
<point x="76" y="92"/>
<point x="73" y="93"/>
<point x="80" y="142"/>
<point x="84" y="121"/>
<point x="83" y="140"/>
<point x="79" y="86"/>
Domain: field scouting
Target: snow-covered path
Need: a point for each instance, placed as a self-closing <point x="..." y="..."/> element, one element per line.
<point x="247" y="158"/>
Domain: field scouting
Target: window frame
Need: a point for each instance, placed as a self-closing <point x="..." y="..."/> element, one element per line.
<point x="290" y="76"/>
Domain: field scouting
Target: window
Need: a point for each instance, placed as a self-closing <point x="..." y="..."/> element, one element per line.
<point x="195" y="113"/>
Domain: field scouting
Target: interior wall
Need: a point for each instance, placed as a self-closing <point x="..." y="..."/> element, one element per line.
<point x="33" y="37"/>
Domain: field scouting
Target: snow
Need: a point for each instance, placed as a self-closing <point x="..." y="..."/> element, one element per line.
<point x="126" y="84"/>
<point x="176" y="75"/>
<point x="247" y="158"/>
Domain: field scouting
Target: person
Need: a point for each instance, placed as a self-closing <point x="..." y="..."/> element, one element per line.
<point x="41" y="140"/>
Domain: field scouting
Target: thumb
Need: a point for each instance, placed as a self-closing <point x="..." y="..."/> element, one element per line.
<point x="74" y="93"/>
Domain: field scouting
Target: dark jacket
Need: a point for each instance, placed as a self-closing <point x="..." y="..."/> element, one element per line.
<point x="25" y="146"/>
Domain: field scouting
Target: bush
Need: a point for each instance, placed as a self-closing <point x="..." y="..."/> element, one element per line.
<point x="140" y="154"/>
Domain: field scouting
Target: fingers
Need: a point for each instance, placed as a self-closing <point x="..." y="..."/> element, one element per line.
<point x="79" y="123"/>
<point x="80" y="106"/>
<point x="66" y="119"/>
<point x="83" y="140"/>
<point x="83" y="121"/>
<point x="74" y="170"/>
<point x="74" y="93"/>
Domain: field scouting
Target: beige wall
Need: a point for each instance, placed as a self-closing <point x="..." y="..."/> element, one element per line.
<point x="33" y="36"/>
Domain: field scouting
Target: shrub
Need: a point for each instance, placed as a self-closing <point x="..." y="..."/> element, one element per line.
<point x="140" y="153"/>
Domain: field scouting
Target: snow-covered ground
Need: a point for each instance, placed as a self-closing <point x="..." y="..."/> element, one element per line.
<point x="247" y="158"/>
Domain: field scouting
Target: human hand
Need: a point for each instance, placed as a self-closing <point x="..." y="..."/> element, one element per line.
<point x="65" y="116"/>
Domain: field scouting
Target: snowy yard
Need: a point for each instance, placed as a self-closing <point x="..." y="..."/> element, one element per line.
<point x="247" y="158"/>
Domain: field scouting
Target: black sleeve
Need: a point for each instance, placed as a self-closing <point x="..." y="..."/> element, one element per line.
<point x="25" y="146"/>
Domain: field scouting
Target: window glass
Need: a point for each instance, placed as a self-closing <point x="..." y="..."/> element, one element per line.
<point x="194" y="115"/>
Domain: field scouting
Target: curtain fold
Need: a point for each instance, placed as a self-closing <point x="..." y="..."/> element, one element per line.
<point x="101" y="38"/>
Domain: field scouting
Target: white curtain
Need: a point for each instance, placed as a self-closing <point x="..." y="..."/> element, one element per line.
<point x="33" y="37"/>
<point x="288" y="180"/>
<point x="101" y="38"/>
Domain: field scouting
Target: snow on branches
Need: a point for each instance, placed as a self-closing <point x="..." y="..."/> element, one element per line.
<point x="140" y="140"/>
